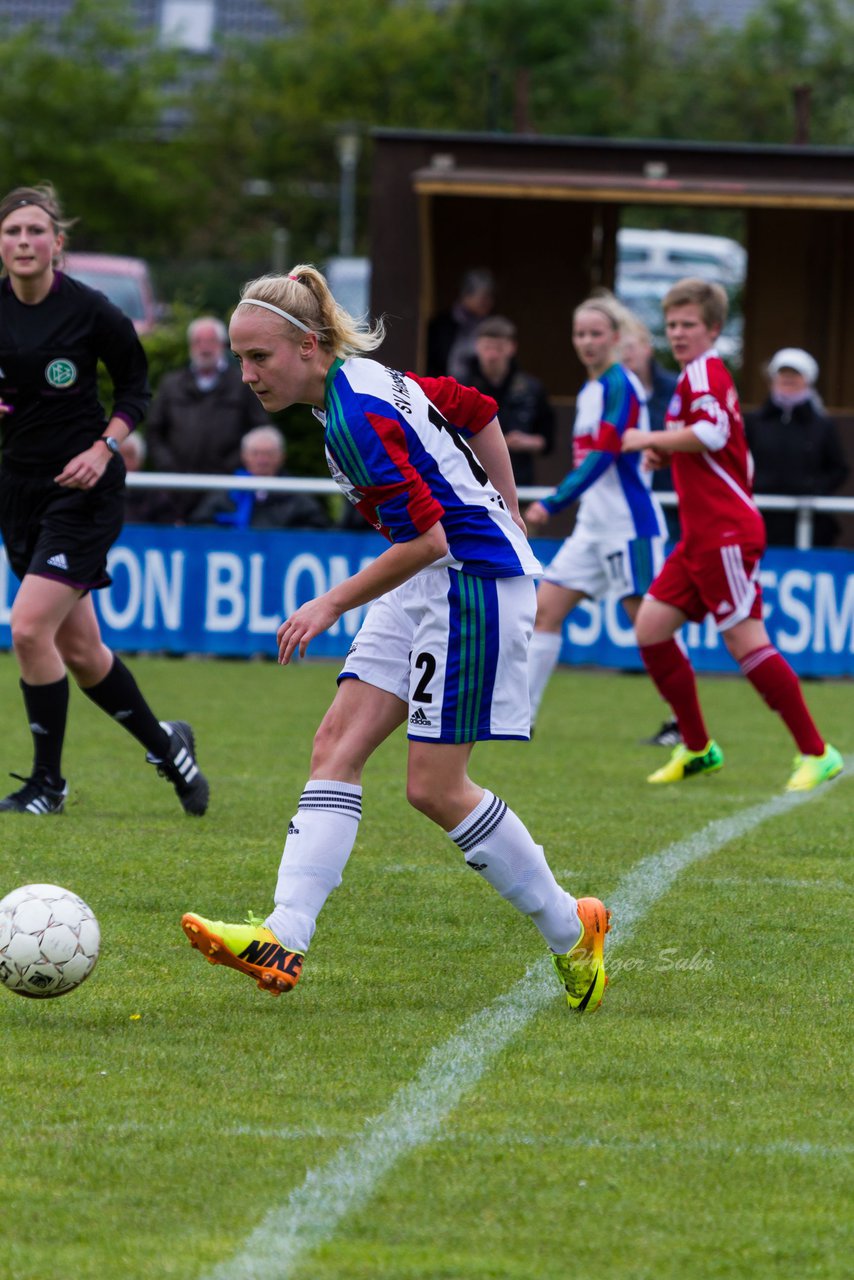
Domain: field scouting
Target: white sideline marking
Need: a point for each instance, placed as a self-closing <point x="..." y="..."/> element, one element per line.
<point x="312" y="1212"/>
<point x="509" y="1138"/>
<point x="459" y="1138"/>
<point x="780" y="882"/>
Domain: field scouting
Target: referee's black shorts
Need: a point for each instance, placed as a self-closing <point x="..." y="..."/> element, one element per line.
<point x="61" y="533"/>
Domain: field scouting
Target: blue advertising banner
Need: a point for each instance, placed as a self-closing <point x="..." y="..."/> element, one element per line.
<point x="207" y="590"/>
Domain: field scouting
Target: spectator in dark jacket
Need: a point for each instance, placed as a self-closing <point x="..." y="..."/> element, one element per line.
<point x="263" y="455"/>
<point x="524" y="411"/>
<point x="201" y="413"/>
<point x="796" y="448"/>
<point x="450" y="334"/>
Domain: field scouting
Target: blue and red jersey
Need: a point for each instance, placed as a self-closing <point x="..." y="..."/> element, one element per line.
<point x="406" y="465"/>
<point x="615" y="492"/>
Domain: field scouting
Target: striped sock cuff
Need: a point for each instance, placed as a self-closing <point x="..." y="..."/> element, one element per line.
<point x="480" y="823"/>
<point x="756" y="657"/>
<point x="333" y="797"/>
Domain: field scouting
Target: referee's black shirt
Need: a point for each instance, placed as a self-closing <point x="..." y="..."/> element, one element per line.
<point x="49" y="356"/>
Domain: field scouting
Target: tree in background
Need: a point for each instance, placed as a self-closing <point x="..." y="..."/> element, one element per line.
<point x="82" y="104"/>
<point x="159" y="154"/>
<point x="272" y="109"/>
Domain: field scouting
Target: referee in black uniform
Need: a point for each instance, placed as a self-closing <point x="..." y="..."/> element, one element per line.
<point x="62" y="498"/>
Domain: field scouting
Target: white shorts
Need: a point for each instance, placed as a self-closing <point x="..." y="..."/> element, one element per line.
<point x="601" y="566"/>
<point x="455" y="649"/>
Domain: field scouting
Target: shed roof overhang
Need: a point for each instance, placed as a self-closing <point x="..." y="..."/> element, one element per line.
<point x="632" y="188"/>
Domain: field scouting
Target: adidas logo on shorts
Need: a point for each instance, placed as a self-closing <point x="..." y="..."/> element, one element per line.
<point x="58" y="561"/>
<point x="419" y="718"/>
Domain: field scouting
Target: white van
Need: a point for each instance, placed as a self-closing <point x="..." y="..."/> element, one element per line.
<point x="673" y="254"/>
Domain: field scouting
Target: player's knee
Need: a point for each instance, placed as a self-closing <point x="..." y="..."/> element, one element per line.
<point x="418" y="795"/>
<point x="423" y="796"/>
<point x="550" y="613"/>
<point x="88" y="663"/>
<point x="75" y="657"/>
<point x="547" y="624"/>
<point x="29" y="637"/>
<point x="646" y="632"/>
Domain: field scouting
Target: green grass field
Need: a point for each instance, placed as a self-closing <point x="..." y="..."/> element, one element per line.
<point x="167" y="1121"/>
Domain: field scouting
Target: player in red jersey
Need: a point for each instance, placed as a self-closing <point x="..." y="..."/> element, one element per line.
<point x="715" y="567"/>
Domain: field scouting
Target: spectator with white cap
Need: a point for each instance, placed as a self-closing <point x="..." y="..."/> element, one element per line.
<point x="796" y="447"/>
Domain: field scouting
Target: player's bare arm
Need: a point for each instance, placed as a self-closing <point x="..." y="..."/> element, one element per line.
<point x="682" y="440"/>
<point x="396" y="565"/>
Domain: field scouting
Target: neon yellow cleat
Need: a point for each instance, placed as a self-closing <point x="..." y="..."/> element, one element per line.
<point x="250" y="948"/>
<point x="686" y="764"/>
<point x="582" y="970"/>
<point x="810" y="771"/>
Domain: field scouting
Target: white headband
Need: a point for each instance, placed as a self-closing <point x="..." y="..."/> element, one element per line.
<point x="286" y="315"/>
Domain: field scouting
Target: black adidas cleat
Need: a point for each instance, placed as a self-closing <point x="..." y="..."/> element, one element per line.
<point x="181" y="769"/>
<point x="667" y="736"/>
<point x="35" y="796"/>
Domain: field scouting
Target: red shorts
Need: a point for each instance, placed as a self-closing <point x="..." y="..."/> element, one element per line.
<point x="722" y="581"/>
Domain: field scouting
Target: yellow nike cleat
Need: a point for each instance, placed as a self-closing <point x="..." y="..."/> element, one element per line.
<point x="250" y="948"/>
<point x="810" y="771"/>
<point x="686" y="764"/>
<point x="582" y="970"/>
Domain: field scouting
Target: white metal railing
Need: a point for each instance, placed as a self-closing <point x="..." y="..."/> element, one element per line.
<point x="804" y="506"/>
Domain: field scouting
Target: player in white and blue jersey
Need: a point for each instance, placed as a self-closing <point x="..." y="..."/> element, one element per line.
<point x="443" y="646"/>
<point x="617" y="544"/>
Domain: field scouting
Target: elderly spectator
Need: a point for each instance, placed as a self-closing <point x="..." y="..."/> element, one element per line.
<point x="263" y="453"/>
<point x="796" y="448"/>
<point x="144" y="506"/>
<point x="201" y="413"/>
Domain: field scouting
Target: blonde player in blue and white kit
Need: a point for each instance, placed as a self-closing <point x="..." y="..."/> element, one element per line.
<point x="617" y="544"/>
<point x="443" y="646"/>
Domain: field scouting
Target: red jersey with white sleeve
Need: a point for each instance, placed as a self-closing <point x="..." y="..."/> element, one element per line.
<point x="715" y="487"/>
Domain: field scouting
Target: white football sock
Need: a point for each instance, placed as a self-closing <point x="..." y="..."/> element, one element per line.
<point x="321" y="836"/>
<point x="498" y="845"/>
<point x="543" y="652"/>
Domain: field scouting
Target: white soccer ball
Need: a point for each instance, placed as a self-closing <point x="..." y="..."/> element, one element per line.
<point x="49" y="941"/>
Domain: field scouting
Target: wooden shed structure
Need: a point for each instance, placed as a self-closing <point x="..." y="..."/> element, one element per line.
<point x="542" y="214"/>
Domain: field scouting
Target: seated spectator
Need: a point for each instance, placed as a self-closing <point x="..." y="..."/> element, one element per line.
<point x="144" y="506"/>
<point x="450" y="334"/>
<point x="524" y="411"/>
<point x="200" y="414"/>
<point x="263" y="453"/>
<point x="637" y="353"/>
<point x="796" y="448"/>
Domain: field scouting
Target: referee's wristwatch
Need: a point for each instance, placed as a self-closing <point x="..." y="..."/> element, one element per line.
<point x="111" y="442"/>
